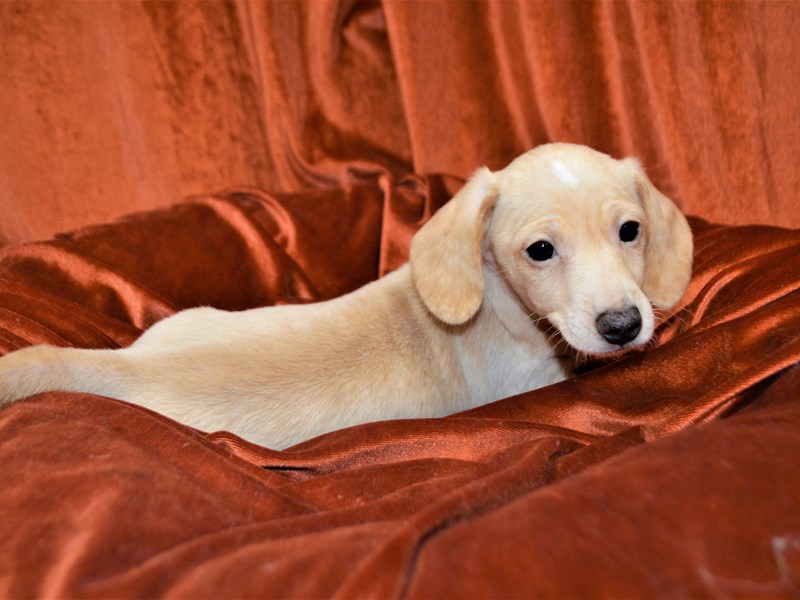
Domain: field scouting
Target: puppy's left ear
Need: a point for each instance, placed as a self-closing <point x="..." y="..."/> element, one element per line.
<point x="668" y="254"/>
<point x="446" y="254"/>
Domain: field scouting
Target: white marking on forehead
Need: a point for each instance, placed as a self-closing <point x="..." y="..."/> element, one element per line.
<point x="564" y="175"/>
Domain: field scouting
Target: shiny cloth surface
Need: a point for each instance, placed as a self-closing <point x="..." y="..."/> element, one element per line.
<point x="123" y="105"/>
<point x="671" y="472"/>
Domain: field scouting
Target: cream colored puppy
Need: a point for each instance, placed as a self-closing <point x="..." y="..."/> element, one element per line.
<point x="564" y="235"/>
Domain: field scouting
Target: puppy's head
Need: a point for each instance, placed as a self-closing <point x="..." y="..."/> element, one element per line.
<point x="580" y="238"/>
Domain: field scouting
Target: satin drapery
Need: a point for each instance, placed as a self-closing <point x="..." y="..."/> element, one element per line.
<point x="111" y="107"/>
<point x="672" y="472"/>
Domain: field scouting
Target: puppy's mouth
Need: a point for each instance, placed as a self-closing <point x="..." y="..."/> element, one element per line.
<point x="613" y="333"/>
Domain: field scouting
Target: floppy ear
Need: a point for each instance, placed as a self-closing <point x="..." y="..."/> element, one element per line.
<point x="668" y="254"/>
<point x="446" y="252"/>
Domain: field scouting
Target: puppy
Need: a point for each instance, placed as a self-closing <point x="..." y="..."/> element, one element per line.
<point x="564" y="237"/>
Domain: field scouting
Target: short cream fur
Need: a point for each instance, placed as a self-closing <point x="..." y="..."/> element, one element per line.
<point x="468" y="321"/>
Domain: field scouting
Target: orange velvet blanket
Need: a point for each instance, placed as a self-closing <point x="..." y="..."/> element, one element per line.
<point x="671" y="473"/>
<point x="115" y="106"/>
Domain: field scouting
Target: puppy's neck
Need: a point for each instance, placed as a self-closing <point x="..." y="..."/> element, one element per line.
<point x="501" y="300"/>
<point x="498" y="353"/>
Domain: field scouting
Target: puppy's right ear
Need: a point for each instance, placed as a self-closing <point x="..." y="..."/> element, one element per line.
<point x="668" y="254"/>
<point x="446" y="254"/>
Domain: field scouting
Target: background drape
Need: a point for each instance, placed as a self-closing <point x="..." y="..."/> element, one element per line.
<point x="111" y="107"/>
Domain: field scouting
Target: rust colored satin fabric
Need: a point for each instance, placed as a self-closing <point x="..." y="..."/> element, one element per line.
<point x="670" y="472"/>
<point x="111" y="107"/>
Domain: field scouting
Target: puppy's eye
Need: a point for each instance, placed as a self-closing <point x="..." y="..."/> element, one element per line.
<point x="541" y="251"/>
<point x="629" y="231"/>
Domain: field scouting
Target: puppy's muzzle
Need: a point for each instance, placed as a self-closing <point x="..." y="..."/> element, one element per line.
<point x="619" y="327"/>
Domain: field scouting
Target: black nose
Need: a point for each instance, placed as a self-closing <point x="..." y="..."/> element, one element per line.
<point x="619" y="327"/>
